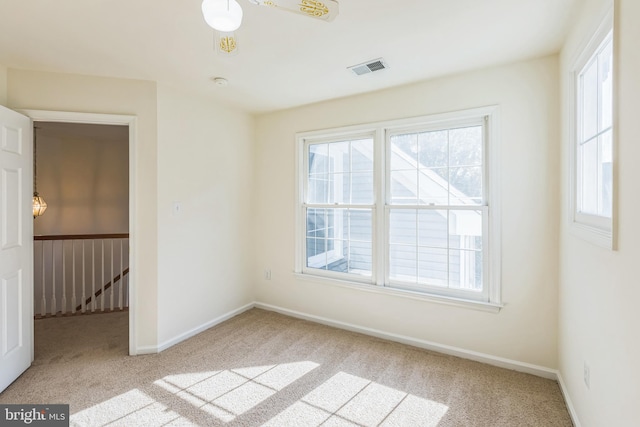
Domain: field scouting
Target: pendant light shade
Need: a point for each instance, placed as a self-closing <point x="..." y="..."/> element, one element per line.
<point x="222" y="15"/>
<point x="39" y="205"/>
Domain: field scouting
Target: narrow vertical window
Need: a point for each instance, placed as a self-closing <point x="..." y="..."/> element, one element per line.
<point x="595" y="130"/>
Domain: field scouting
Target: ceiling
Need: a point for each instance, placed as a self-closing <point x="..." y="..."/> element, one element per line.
<point x="284" y="60"/>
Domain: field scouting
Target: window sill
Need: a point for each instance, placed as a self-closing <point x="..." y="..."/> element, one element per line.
<point x="591" y="234"/>
<point x="456" y="302"/>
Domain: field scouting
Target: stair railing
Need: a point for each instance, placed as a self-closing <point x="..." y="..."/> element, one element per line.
<point x="80" y="274"/>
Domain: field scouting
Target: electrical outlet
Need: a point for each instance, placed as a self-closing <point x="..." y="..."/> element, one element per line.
<point x="587" y="375"/>
<point x="267" y="274"/>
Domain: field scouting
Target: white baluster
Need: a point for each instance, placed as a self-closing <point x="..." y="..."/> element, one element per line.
<point x="113" y="285"/>
<point x="93" y="276"/>
<point x="126" y="290"/>
<point x="43" y="303"/>
<point x="83" y="303"/>
<point x="102" y="280"/>
<point x="121" y="277"/>
<point x="74" y="300"/>
<point x="64" y="282"/>
<point x="84" y="280"/>
<point x="54" y="309"/>
<point x="125" y="287"/>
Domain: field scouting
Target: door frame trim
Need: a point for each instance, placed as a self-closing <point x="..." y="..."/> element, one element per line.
<point x="110" y="119"/>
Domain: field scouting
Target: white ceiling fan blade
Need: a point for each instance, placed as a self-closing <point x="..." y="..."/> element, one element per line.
<point x="326" y="10"/>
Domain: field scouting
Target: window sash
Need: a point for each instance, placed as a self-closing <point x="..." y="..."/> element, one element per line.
<point x="429" y="285"/>
<point x="589" y="180"/>
<point x="356" y="247"/>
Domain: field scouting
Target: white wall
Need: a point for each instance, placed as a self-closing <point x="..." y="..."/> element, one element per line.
<point x="194" y="267"/>
<point x="599" y="289"/>
<point x="205" y="251"/>
<point x="76" y="93"/>
<point x="3" y="85"/>
<point x="525" y="330"/>
<point x="83" y="175"/>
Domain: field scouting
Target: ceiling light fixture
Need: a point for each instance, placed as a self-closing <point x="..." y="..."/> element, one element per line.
<point x="222" y="15"/>
<point x="225" y="16"/>
<point x="39" y="205"/>
<point x="220" y="81"/>
<point x="226" y="43"/>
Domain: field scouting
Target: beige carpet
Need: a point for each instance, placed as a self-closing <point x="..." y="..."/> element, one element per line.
<point x="262" y="368"/>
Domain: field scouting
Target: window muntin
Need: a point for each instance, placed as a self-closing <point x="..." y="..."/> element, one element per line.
<point x="422" y="214"/>
<point x="594" y="145"/>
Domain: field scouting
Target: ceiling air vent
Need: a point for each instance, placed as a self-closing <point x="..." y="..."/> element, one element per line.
<point x="368" y="67"/>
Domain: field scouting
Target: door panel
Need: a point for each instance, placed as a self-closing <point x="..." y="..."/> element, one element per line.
<point x="11" y="195"/>
<point x="16" y="246"/>
<point x="11" y="291"/>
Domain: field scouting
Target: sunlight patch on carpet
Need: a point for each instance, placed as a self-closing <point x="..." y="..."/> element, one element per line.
<point x="227" y="394"/>
<point x="127" y="409"/>
<point x="346" y="400"/>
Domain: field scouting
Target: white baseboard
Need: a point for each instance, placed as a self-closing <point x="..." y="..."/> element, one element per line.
<point x="148" y="349"/>
<point x="175" y="340"/>
<point x="489" y="359"/>
<point x="567" y="401"/>
<point x="190" y="333"/>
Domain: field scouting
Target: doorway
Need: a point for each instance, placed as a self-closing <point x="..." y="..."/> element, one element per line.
<point x="105" y="299"/>
<point x="81" y="237"/>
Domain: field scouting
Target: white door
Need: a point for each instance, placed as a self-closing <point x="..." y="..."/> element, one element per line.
<point x="16" y="246"/>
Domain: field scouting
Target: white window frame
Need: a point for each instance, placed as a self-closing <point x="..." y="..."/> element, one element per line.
<point x="596" y="229"/>
<point x="490" y="298"/>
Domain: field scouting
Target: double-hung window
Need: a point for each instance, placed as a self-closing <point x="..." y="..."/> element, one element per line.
<point x="402" y="206"/>
<point x="592" y="180"/>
